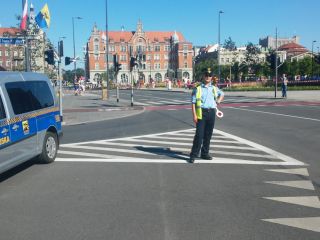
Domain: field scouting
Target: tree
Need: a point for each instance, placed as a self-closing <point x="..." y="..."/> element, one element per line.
<point x="229" y="44"/>
<point x="252" y="54"/>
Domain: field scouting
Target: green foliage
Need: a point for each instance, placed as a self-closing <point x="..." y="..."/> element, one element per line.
<point x="229" y="44"/>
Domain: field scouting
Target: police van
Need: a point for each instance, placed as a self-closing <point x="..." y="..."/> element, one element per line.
<point x="30" y="123"/>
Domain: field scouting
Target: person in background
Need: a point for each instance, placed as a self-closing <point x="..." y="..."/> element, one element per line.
<point x="284" y="86"/>
<point x="205" y="98"/>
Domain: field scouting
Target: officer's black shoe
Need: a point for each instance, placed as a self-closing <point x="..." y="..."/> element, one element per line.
<point x="206" y="157"/>
<point x="191" y="159"/>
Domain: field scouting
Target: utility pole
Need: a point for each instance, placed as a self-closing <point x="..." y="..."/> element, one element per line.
<point x="312" y="59"/>
<point x="105" y="92"/>
<point x="219" y="68"/>
<point x="276" y="56"/>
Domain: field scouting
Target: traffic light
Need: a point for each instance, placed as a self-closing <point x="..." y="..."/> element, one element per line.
<point x="49" y="56"/>
<point x="133" y="63"/>
<point x="118" y="67"/>
<point x="116" y="64"/>
<point x="60" y="45"/>
<point x="67" y="61"/>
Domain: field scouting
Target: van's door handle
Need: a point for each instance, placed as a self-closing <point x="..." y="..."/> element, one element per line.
<point x="5" y="131"/>
<point x="15" y="127"/>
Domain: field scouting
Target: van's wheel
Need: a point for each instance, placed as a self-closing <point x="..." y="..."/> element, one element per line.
<point x="49" y="148"/>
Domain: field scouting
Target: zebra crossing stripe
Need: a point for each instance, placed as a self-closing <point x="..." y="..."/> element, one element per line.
<point x="186" y="150"/>
<point x="159" y="146"/>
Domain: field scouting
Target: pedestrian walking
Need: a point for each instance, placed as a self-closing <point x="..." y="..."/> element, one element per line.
<point x="205" y="98"/>
<point x="284" y="86"/>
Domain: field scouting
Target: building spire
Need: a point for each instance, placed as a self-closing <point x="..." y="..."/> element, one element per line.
<point x="139" y="26"/>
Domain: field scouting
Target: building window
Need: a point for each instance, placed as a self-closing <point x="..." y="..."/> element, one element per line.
<point x="149" y="48"/>
<point x="227" y="60"/>
<point x="166" y="57"/>
<point x="111" y="48"/>
<point x="167" y="48"/>
<point x="149" y="57"/>
<point x="157" y="57"/>
<point x="185" y="48"/>
<point x="123" y="48"/>
<point x="96" y="66"/>
<point x="7" y="53"/>
<point x="15" y="53"/>
<point x="157" y="48"/>
<point x="0" y="53"/>
<point x="222" y="59"/>
<point x="123" y="58"/>
<point x="96" y="48"/>
<point x="157" y="66"/>
<point x="185" y="55"/>
<point x="185" y="64"/>
<point x="21" y="53"/>
<point x="8" y="63"/>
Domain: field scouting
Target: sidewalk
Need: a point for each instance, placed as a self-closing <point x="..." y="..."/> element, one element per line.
<point x="307" y="95"/>
<point x="90" y="108"/>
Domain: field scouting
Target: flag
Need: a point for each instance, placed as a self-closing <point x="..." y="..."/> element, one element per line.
<point x="43" y="17"/>
<point x="23" y="24"/>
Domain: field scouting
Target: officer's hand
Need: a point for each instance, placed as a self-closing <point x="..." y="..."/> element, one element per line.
<point x="195" y="119"/>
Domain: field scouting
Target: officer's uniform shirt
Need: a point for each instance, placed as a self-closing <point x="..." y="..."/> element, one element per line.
<point x="207" y="96"/>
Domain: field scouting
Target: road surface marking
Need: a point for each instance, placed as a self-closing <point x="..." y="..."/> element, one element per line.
<point x="278" y="114"/>
<point x="308" y="223"/>
<point x="297" y="171"/>
<point x="167" y="150"/>
<point x="303" y="184"/>
<point x="307" y="201"/>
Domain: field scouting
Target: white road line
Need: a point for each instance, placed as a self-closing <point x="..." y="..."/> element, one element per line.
<point x="186" y="144"/>
<point x="307" y="201"/>
<point x="189" y="139"/>
<point x="308" y="223"/>
<point x="285" y="160"/>
<point x="262" y="148"/>
<point x="297" y="171"/>
<point x="142" y="160"/>
<point x="303" y="184"/>
<point x="174" y="149"/>
<point x="278" y="114"/>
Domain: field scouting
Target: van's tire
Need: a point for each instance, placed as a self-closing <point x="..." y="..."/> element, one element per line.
<point x="49" y="148"/>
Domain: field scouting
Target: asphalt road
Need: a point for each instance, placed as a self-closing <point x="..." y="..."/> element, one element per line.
<point x="128" y="199"/>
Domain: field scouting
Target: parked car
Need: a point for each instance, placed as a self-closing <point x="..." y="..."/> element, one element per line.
<point x="30" y="122"/>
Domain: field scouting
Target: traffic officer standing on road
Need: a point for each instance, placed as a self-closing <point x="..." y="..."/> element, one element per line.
<point x="205" y="98"/>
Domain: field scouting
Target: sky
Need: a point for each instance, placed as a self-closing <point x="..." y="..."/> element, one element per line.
<point x="243" y="20"/>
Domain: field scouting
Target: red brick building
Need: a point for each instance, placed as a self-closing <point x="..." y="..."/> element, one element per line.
<point x="11" y="56"/>
<point x="161" y="54"/>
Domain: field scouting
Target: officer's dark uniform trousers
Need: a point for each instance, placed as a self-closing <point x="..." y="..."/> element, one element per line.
<point x="204" y="132"/>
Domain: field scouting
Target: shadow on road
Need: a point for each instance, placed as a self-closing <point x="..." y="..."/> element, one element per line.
<point x="164" y="152"/>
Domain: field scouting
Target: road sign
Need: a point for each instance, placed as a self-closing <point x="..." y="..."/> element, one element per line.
<point x="12" y="41"/>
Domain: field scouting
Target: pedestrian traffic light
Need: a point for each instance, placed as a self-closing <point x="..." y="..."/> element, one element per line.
<point x="133" y="63"/>
<point x="49" y="56"/>
<point x="67" y="61"/>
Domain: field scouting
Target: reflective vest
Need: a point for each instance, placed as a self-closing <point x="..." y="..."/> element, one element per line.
<point x="198" y="99"/>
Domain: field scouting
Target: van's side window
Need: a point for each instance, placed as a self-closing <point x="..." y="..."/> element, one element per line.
<point x="2" y="111"/>
<point x="29" y="96"/>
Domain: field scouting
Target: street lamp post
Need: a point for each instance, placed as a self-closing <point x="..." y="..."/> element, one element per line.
<point x="312" y="57"/>
<point x="60" y="77"/>
<point x="219" y="69"/>
<point x="74" y="50"/>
